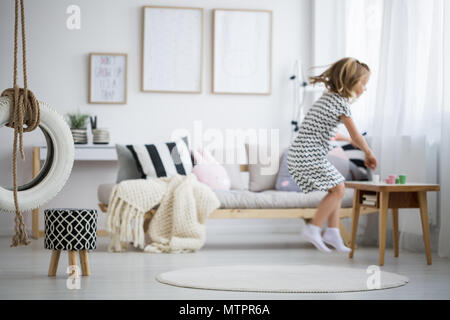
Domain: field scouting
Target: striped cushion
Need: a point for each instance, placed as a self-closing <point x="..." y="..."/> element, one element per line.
<point x="356" y="155"/>
<point x="357" y="158"/>
<point x="162" y="159"/>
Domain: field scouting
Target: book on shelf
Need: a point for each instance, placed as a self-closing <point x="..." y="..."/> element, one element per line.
<point x="370" y="202"/>
<point x="370" y="197"/>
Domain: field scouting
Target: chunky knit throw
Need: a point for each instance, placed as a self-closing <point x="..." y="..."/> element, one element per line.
<point x="178" y="224"/>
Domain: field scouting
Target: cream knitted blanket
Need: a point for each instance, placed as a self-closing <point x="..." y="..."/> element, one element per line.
<point x="178" y="224"/>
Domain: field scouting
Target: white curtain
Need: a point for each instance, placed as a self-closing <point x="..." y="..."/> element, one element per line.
<point x="444" y="204"/>
<point x="349" y="28"/>
<point x="402" y="42"/>
<point x="408" y="106"/>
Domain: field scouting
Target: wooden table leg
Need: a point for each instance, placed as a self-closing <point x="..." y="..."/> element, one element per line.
<point x="382" y="225"/>
<point x="422" y="195"/>
<point x="54" y="263"/>
<point x="355" y="219"/>
<point x="35" y="212"/>
<point x="344" y="234"/>
<point x="84" y="261"/>
<point x="395" y="230"/>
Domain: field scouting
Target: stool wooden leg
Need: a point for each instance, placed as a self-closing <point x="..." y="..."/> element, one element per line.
<point x="355" y="219"/>
<point x="395" y="230"/>
<point x="382" y="224"/>
<point x="72" y="259"/>
<point x="84" y="261"/>
<point x="54" y="263"/>
<point x="425" y="226"/>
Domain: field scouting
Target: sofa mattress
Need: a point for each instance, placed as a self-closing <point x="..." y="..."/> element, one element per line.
<point x="244" y="199"/>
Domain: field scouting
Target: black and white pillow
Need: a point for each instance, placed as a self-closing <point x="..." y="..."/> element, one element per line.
<point x="357" y="158"/>
<point x="162" y="159"/>
<point x="355" y="155"/>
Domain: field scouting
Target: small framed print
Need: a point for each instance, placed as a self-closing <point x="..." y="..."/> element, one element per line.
<point x="108" y="78"/>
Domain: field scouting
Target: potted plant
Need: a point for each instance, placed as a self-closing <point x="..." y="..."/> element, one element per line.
<point x="77" y="122"/>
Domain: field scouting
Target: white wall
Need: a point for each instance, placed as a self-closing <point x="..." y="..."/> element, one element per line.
<point x="58" y="74"/>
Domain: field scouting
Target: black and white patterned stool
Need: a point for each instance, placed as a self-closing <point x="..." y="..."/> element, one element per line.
<point x="72" y="230"/>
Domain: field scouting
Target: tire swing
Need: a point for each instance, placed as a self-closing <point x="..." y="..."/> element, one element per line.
<point x="18" y="106"/>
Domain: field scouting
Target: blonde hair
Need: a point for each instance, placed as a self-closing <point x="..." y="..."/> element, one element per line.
<point x="342" y="76"/>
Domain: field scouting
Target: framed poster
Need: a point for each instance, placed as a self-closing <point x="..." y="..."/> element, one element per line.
<point x="172" y="49"/>
<point x="108" y="78"/>
<point x="242" y="51"/>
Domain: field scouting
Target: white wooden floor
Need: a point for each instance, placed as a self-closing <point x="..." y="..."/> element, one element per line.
<point x="131" y="275"/>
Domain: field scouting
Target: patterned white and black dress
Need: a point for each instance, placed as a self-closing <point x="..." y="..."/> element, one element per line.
<point x="307" y="156"/>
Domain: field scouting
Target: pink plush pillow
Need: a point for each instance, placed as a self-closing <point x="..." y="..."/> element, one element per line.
<point x="209" y="171"/>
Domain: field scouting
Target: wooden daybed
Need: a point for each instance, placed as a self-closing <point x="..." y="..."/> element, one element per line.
<point x="283" y="213"/>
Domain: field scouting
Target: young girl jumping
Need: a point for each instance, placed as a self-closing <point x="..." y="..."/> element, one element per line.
<point x="307" y="156"/>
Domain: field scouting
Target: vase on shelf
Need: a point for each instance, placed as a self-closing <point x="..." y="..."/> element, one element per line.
<point x="77" y="122"/>
<point x="79" y="136"/>
<point x="100" y="136"/>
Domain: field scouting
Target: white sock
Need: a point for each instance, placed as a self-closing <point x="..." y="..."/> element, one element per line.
<point x="332" y="236"/>
<point x="311" y="234"/>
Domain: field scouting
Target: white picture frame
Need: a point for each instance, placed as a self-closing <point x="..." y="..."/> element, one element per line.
<point x="172" y="49"/>
<point x="242" y="52"/>
<point x="108" y="78"/>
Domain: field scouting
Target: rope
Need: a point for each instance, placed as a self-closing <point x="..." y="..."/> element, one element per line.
<point x="24" y="110"/>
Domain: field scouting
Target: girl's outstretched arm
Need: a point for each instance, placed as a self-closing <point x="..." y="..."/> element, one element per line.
<point x="359" y="141"/>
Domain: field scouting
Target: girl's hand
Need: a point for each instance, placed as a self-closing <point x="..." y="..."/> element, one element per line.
<point x="371" y="161"/>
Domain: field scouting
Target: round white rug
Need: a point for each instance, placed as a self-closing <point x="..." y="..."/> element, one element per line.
<point x="283" y="278"/>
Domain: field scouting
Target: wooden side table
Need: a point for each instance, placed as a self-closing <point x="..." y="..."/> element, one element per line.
<point x="83" y="152"/>
<point x="395" y="197"/>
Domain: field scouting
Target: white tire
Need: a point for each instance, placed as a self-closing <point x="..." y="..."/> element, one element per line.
<point x="57" y="167"/>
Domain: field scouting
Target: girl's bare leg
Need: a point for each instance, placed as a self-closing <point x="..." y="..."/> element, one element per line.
<point x="332" y="234"/>
<point x="333" y="218"/>
<point x="329" y="205"/>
